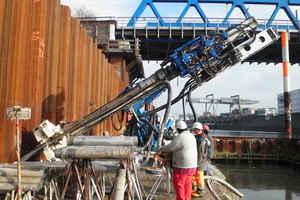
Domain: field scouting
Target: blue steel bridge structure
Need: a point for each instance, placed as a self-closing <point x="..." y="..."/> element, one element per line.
<point x="159" y="36"/>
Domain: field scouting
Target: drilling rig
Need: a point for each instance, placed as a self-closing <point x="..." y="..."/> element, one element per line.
<point x="201" y="59"/>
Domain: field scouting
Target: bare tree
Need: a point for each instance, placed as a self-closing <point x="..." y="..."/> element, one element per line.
<point x="82" y="11"/>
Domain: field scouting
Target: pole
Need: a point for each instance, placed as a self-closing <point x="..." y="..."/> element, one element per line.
<point x="18" y="156"/>
<point x="286" y="85"/>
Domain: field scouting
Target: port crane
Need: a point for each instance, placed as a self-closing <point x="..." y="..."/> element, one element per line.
<point x="202" y="59"/>
<point x="231" y="101"/>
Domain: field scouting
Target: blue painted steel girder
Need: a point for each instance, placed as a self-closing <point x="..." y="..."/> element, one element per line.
<point x="279" y="4"/>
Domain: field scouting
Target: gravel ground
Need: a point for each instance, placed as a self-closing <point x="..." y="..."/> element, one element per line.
<point x="214" y="190"/>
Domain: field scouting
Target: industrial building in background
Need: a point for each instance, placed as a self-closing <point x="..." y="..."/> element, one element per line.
<point x="295" y="102"/>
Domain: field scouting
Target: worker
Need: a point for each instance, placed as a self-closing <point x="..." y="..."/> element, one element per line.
<point x="210" y="149"/>
<point x="184" y="152"/>
<point x="202" y="147"/>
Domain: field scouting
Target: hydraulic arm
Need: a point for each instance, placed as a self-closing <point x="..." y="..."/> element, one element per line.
<point x="202" y="59"/>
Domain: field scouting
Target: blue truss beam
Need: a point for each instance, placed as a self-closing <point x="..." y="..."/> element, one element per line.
<point x="279" y="4"/>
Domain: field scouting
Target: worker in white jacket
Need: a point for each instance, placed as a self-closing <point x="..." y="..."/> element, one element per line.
<point x="184" y="160"/>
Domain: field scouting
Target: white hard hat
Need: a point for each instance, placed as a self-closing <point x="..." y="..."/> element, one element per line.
<point x="181" y="125"/>
<point x="197" y="125"/>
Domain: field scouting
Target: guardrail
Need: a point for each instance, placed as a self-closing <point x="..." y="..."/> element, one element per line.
<point x="194" y="22"/>
<point x="123" y="45"/>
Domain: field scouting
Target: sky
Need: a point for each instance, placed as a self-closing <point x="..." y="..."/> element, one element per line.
<point x="256" y="82"/>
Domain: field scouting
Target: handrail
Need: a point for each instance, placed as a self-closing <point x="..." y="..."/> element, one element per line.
<point x="191" y="22"/>
<point x="121" y="45"/>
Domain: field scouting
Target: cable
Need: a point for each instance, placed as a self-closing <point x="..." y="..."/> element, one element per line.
<point x="120" y="121"/>
<point x="191" y="105"/>
<point x="152" y="132"/>
<point x="183" y="109"/>
<point x="190" y="83"/>
<point x="167" y="112"/>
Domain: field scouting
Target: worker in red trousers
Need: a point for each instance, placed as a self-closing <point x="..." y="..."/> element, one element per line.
<point x="184" y="160"/>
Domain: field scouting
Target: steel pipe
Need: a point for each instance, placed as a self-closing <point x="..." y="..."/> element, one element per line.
<point x="95" y="152"/>
<point x="105" y="166"/>
<point x="103" y="140"/>
<point x="31" y="172"/>
<point x="119" y="186"/>
<point x="4" y="187"/>
<point x="25" y="180"/>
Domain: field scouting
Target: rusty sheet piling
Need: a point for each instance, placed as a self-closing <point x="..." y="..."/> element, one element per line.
<point x="256" y="149"/>
<point x="49" y="64"/>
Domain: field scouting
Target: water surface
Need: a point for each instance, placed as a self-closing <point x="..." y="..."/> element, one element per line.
<point x="263" y="181"/>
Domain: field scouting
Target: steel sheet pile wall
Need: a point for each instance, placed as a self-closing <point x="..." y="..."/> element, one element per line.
<point x="50" y="65"/>
<point x="258" y="149"/>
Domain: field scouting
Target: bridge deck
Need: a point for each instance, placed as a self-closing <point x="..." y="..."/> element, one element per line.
<point x="159" y="40"/>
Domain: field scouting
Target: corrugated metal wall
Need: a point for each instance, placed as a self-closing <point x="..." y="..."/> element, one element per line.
<point x="47" y="63"/>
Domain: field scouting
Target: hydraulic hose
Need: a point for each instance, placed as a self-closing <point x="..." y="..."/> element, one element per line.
<point x="189" y="84"/>
<point x="191" y="105"/>
<point x="225" y="183"/>
<point x="166" y="116"/>
<point x="147" y="145"/>
<point x="183" y="109"/>
<point x="152" y="132"/>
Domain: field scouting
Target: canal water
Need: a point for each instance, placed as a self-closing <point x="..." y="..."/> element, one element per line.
<point x="261" y="181"/>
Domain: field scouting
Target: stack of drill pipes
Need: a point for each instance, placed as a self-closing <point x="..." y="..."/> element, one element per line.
<point x="32" y="178"/>
<point x="53" y="169"/>
<point x="98" y="147"/>
<point x="34" y="174"/>
<point x="103" y="140"/>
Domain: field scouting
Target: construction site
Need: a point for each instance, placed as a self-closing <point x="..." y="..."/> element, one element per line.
<point x="77" y="119"/>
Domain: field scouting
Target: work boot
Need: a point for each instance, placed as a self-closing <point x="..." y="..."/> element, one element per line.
<point x="194" y="188"/>
<point x="198" y="194"/>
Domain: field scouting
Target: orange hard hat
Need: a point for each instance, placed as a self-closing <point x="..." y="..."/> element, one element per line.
<point x="205" y="127"/>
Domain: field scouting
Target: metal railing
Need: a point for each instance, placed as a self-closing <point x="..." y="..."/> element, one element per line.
<point x="194" y="22"/>
<point x="123" y="45"/>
